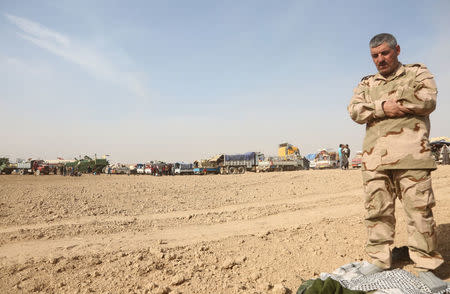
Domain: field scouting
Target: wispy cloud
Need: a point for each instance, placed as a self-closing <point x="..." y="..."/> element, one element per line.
<point x="81" y="54"/>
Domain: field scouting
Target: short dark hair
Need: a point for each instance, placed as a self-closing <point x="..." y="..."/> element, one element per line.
<point x="383" y="38"/>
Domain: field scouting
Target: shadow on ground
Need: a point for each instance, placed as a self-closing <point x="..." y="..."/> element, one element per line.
<point x="443" y="272"/>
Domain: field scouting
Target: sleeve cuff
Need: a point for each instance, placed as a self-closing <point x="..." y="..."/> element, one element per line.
<point x="379" y="112"/>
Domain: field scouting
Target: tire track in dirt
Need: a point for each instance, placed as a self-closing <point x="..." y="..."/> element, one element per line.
<point x="307" y="198"/>
<point x="172" y="237"/>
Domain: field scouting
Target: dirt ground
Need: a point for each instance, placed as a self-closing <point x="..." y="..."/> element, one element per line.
<point x="251" y="233"/>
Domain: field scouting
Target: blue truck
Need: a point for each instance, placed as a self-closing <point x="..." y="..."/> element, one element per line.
<point x="206" y="170"/>
<point x="205" y="166"/>
<point x="239" y="163"/>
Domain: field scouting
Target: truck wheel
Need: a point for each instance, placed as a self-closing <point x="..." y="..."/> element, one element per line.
<point x="231" y="170"/>
<point x="241" y="169"/>
<point x="21" y="172"/>
<point x="37" y="172"/>
<point x="222" y="170"/>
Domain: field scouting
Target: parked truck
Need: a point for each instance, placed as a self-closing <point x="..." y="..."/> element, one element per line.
<point x="181" y="168"/>
<point x="8" y="168"/>
<point x="205" y="166"/>
<point x="238" y="163"/>
<point x="288" y="158"/>
<point x="140" y="168"/>
<point x="357" y="160"/>
<point x="21" y="167"/>
<point x="88" y="165"/>
<point x="327" y="158"/>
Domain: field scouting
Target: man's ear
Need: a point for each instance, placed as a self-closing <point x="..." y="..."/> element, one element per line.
<point x="397" y="50"/>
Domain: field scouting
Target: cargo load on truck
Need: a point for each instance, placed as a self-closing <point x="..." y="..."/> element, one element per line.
<point x="4" y="163"/>
<point x="205" y="166"/>
<point x="326" y="158"/>
<point x="88" y="165"/>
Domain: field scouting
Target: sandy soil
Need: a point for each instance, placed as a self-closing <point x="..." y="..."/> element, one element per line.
<point x="251" y="233"/>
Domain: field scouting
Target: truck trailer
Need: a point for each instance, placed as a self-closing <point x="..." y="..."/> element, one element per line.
<point x="282" y="164"/>
<point x="239" y="163"/>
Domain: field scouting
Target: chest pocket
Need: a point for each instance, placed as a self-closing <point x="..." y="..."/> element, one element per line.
<point x="395" y="89"/>
<point x="385" y="92"/>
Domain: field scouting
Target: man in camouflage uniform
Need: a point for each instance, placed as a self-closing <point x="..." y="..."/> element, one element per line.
<point x="395" y="104"/>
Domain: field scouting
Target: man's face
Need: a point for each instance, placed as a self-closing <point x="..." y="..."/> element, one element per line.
<point x="385" y="58"/>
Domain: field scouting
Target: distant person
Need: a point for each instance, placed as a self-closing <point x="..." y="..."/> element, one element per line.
<point x="35" y="166"/>
<point x="347" y="155"/>
<point x="345" y="152"/>
<point x="445" y="155"/>
<point x="395" y="105"/>
<point x="341" y="162"/>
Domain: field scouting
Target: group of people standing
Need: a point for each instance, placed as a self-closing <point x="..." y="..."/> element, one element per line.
<point x="161" y="169"/>
<point x="68" y="171"/>
<point x="344" y="155"/>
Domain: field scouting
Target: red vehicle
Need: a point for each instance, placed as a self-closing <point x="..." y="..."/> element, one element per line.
<point x="41" y="168"/>
<point x="357" y="160"/>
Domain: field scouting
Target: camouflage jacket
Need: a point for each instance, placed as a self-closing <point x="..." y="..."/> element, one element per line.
<point x="401" y="142"/>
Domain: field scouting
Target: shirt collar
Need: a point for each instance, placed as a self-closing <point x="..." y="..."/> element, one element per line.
<point x="400" y="71"/>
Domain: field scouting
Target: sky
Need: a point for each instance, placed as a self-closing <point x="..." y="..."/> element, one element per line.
<point x="185" y="80"/>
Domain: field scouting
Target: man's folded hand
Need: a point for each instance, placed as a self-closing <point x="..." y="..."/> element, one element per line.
<point x="393" y="108"/>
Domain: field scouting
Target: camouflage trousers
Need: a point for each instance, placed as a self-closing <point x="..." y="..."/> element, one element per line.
<point x="413" y="188"/>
